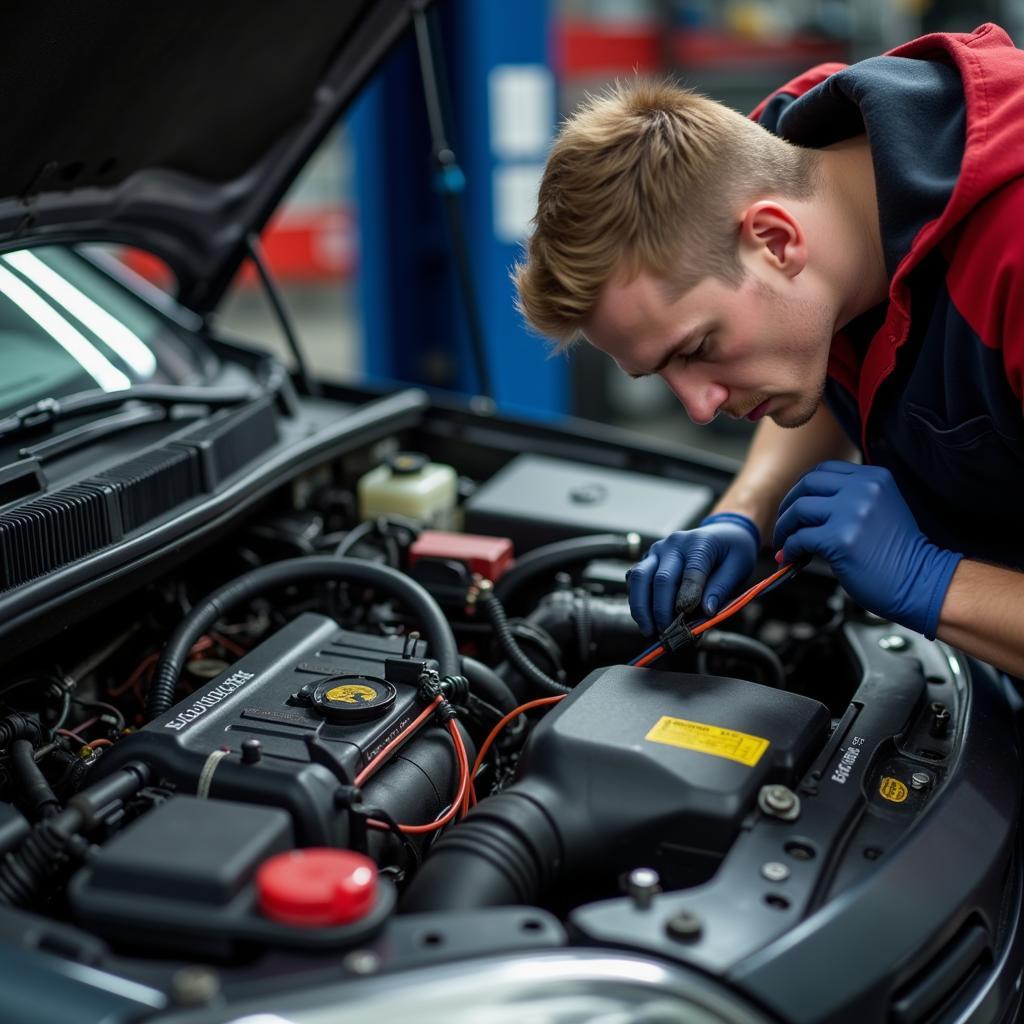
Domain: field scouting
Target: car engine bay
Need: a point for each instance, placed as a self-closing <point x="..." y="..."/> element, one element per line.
<point x="405" y="664"/>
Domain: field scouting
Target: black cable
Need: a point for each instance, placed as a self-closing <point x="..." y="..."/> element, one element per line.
<point x="513" y="651"/>
<point x="552" y="557"/>
<point x="354" y="536"/>
<point x="743" y="648"/>
<point x="487" y="684"/>
<point x="205" y="613"/>
<point x="37" y="795"/>
<point x="451" y="182"/>
<point x="255" y="252"/>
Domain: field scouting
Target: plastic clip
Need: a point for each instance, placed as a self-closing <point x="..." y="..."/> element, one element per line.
<point x="677" y="636"/>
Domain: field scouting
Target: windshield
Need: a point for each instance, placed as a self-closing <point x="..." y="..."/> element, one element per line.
<point x="65" y="326"/>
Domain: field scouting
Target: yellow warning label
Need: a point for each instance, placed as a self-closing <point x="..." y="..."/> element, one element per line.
<point x="892" y="789"/>
<point x="352" y="693"/>
<point x="709" y="739"/>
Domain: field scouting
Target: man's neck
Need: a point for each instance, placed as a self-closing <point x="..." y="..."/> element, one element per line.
<point x="856" y="236"/>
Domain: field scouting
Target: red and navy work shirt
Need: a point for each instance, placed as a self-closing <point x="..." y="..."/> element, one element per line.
<point x="930" y="383"/>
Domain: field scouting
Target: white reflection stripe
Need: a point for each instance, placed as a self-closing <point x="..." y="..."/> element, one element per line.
<point x="113" y="333"/>
<point x="108" y="376"/>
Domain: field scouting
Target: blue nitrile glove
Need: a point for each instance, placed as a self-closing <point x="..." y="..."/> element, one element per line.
<point x="856" y="519"/>
<point x="713" y="559"/>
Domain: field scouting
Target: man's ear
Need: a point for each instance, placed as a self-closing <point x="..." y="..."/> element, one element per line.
<point x="770" y="230"/>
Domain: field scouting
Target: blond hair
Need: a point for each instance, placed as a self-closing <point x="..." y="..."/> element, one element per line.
<point x="647" y="176"/>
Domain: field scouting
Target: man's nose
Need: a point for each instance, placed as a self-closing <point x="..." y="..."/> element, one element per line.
<point x="701" y="398"/>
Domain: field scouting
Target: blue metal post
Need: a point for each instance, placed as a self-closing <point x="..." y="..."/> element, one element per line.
<point x="503" y="115"/>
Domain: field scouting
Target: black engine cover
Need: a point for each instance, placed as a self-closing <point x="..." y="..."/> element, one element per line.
<point x="637" y="760"/>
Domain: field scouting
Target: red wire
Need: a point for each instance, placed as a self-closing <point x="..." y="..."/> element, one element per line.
<point x="493" y="735"/>
<point x="382" y="755"/>
<point x="727" y="612"/>
<point x="460" y="796"/>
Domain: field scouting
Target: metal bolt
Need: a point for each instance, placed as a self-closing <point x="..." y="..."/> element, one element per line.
<point x="920" y="780"/>
<point x="194" y="986"/>
<point x="684" y="926"/>
<point x="642" y="885"/>
<point x="362" y="961"/>
<point x="252" y="751"/>
<point x="774" y="871"/>
<point x="893" y="642"/>
<point x="940" y="719"/>
<point x="779" y="801"/>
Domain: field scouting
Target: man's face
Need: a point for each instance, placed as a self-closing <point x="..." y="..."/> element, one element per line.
<point x="746" y="350"/>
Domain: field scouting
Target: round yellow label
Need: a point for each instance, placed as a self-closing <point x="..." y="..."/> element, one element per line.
<point x="352" y="693"/>
<point x="893" y="790"/>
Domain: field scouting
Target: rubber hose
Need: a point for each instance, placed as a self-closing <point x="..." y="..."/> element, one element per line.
<point x="552" y="557"/>
<point x="514" y="652"/>
<point x="40" y="798"/>
<point x="745" y="648"/>
<point x="487" y="684"/>
<point x="208" y="611"/>
<point x="19" y="726"/>
<point x="507" y="852"/>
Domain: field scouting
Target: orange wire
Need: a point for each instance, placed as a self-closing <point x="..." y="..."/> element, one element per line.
<point x="99" y="743"/>
<point x="727" y="612"/>
<point x="493" y="735"/>
<point x="456" y="805"/>
<point x="398" y="741"/>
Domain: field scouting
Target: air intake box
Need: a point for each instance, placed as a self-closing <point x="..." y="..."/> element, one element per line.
<point x="637" y="760"/>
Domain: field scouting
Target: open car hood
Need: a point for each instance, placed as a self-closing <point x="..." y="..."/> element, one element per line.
<point x="173" y="127"/>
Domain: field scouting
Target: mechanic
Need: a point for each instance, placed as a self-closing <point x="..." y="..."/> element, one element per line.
<point x="846" y="267"/>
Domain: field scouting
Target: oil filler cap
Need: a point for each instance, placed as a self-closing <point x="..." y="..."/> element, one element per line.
<point x="353" y="698"/>
<point x="317" y="887"/>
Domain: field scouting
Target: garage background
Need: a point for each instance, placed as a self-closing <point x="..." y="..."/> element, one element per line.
<point x="415" y="288"/>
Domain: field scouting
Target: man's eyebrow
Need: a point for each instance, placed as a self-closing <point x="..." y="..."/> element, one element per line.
<point x="683" y="343"/>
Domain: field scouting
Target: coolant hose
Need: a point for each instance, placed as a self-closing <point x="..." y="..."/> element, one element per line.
<point x="552" y="557"/>
<point x="488" y="685"/>
<point x="512" y="650"/>
<point x="32" y="785"/>
<point x="743" y="648"/>
<point x="208" y="611"/>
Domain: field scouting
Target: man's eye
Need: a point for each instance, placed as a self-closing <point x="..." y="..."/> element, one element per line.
<point x="700" y="351"/>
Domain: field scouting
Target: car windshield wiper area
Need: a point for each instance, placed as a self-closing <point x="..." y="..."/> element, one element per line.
<point x="40" y="417"/>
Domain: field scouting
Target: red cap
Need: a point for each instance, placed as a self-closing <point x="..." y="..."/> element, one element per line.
<point x="317" y="887"/>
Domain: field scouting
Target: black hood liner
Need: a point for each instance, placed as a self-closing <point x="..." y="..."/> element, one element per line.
<point x="172" y="126"/>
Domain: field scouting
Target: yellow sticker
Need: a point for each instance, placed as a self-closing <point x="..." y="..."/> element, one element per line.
<point x="893" y="790"/>
<point x="709" y="739"/>
<point x="352" y="693"/>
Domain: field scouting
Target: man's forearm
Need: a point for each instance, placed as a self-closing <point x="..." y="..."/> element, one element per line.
<point x="777" y="458"/>
<point x="983" y="615"/>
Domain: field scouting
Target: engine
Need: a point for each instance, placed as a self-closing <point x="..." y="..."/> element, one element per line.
<point x="353" y="745"/>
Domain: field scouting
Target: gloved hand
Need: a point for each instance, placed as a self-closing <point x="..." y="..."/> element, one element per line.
<point x="713" y="560"/>
<point x="856" y="519"/>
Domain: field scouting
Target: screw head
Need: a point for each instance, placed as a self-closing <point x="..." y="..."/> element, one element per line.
<point x="643" y="884"/>
<point x="361" y="961"/>
<point x="920" y="780"/>
<point x="774" y="871"/>
<point x="779" y="801"/>
<point x="194" y="986"/>
<point x="893" y="642"/>
<point x="252" y="751"/>
<point x="684" y="926"/>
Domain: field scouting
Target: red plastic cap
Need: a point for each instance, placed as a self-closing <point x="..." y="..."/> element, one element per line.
<point x="317" y="887"/>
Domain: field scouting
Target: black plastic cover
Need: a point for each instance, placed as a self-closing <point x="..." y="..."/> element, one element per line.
<point x="536" y="500"/>
<point x="641" y="760"/>
<point x="182" y="878"/>
<point x="196" y="747"/>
